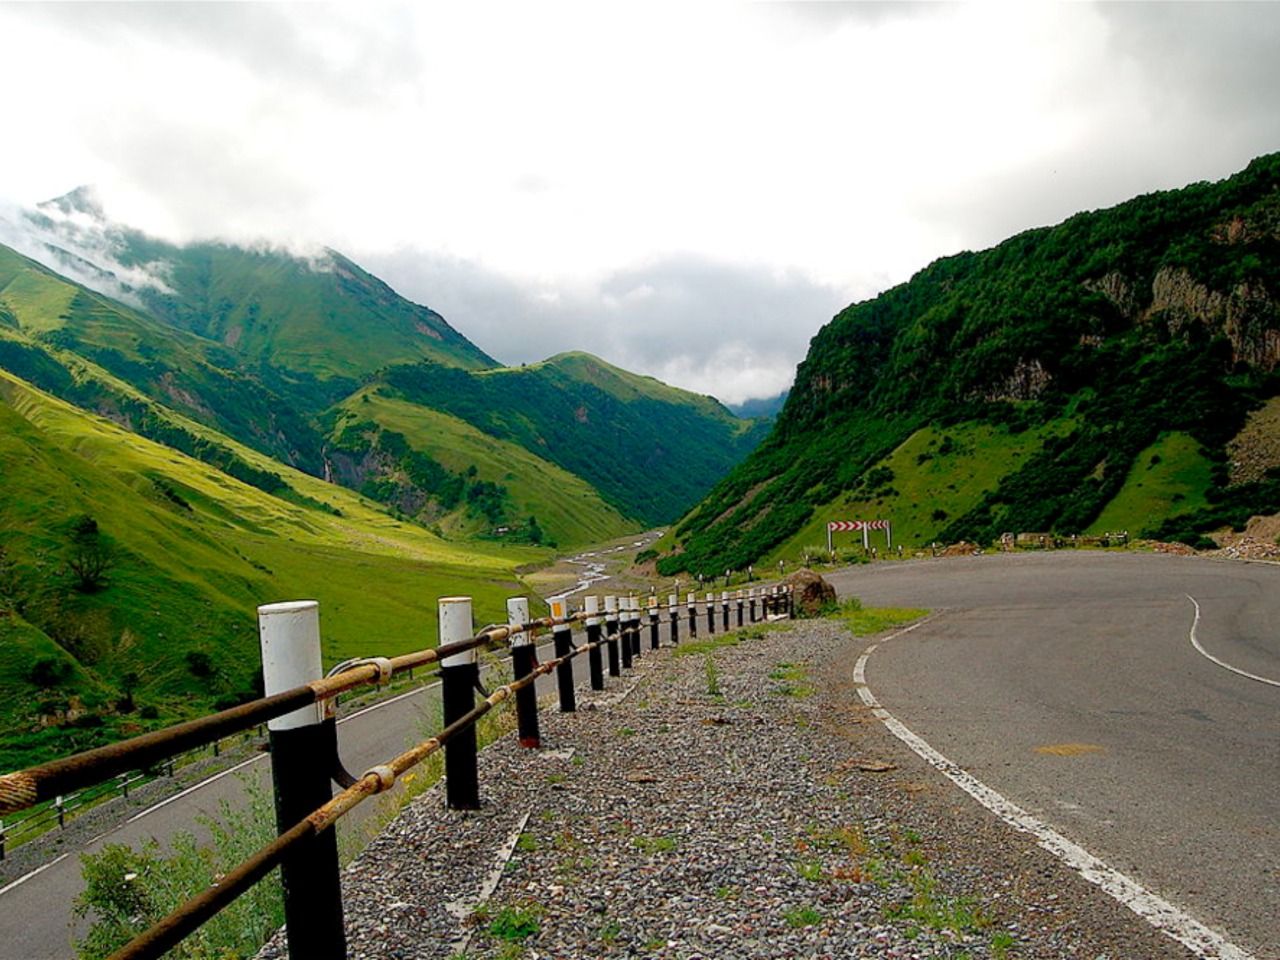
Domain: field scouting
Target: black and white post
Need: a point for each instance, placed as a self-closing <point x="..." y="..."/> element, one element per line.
<point x="611" y="636"/>
<point x="303" y="747"/>
<point x="562" y="638"/>
<point x="633" y="604"/>
<point x="595" y="659"/>
<point x="459" y="677"/>
<point x="523" y="660"/>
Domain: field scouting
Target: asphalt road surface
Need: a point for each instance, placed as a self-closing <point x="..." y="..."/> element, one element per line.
<point x="1130" y="701"/>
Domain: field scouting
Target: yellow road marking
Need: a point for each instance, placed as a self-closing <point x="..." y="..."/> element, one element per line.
<point x="1069" y="749"/>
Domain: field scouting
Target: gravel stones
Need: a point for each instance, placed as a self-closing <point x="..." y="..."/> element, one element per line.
<point x="733" y="803"/>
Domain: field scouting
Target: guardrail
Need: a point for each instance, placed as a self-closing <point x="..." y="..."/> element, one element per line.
<point x="302" y="730"/>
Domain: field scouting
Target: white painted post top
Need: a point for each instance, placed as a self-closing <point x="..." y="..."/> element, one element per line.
<point x="517" y="614"/>
<point x="593" y="607"/>
<point x="289" y="635"/>
<point x="455" y="625"/>
<point x="611" y="608"/>
<point x="673" y="600"/>
<point x="559" y="611"/>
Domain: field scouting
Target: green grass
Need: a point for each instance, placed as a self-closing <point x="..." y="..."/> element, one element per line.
<point x="697" y="648"/>
<point x="863" y="621"/>
<point x="652" y="845"/>
<point x="938" y="474"/>
<point x="792" y="680"/>
<point x="514" y="923"/>
<point x="1169" y="477"/>
<point x="802" y="917"/>
<point x="568" y="509"/>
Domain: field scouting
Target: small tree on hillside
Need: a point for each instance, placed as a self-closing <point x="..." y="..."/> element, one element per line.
<point x="90" y="556"/>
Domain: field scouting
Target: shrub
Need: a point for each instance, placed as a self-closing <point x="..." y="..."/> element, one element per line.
<point x="49" y="672"/>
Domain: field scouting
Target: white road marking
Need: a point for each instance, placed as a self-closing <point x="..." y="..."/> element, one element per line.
<point x="27" y="876"/>
<point x="386" y="703"/>
<point x="1195" y="642"/>
<point x="1157" y="911"/>
<point x="190" y="790"/>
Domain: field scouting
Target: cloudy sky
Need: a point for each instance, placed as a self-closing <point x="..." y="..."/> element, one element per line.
<point x="689" y="190"/>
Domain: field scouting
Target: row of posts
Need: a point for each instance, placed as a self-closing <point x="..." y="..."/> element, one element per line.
<point x="304" y="747"/>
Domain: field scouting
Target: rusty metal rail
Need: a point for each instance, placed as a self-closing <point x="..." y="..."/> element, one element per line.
<point x="168" y="932"/>
<point x="25" y="788"/>
<point x="298" y="840"/>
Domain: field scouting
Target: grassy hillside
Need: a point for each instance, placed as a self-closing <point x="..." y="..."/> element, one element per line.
<point x="1155" y="318"/>
<point x="650" y="449"/>
<point x="935" y="475"/>
<point x="169" y="626"/>
<point x="520" y="486"/>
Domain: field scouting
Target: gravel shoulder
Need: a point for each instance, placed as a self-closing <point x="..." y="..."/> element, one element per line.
<point x="738" y="803"/>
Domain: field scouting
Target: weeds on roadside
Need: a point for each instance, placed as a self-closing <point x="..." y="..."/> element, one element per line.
<point x="713" y="677"/>
<point x="127" y="890"/>
<point x="513" y="924"/>
<point x="802" y="917"/>
<point x="863" y="621"/>
<point x="792" y="677"/>
<point x="651" y="845"/>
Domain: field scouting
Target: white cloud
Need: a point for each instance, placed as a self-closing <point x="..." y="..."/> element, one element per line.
<point x="517" y="164"/>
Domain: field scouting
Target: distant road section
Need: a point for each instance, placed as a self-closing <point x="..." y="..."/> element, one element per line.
<point x="1130" y="701"/>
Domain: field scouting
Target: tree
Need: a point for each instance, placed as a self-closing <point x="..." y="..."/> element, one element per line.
<point x="89" y="563"/>
<point x="90" y="556"/>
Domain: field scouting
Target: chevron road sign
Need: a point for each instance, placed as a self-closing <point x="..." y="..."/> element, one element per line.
<point x="864" y="526"/>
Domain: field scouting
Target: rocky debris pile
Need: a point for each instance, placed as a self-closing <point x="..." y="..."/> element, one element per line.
<point x="1249" y="548"/>
<point x="1159" y="546"/>
<point x="962" y="549"/>
<point x="1256" y="449"/>
<point x="738" y="804"/>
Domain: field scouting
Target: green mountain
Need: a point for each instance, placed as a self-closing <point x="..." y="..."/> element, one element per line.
<point x="649" y="449"/>
<point x="49" y="321"/>
<point x="1099" y="371"/>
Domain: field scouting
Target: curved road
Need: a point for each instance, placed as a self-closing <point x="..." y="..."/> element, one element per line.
<point x="1129" y="701"/>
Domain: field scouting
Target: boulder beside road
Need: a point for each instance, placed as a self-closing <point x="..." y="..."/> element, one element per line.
<point x="812" y="593"/>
